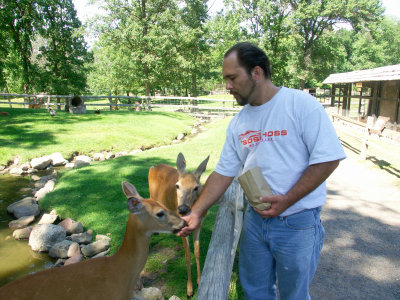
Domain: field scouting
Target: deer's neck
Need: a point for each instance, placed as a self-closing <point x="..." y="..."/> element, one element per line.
<point x="134" y="251"/>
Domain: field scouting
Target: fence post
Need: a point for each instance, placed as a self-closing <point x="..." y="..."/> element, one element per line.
<point x="215" y="280"/>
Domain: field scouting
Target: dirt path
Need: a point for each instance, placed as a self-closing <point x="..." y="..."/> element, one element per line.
<point x="361" y="255"/>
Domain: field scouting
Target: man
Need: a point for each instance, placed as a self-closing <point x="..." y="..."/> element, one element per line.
<point x="289" y="136"/>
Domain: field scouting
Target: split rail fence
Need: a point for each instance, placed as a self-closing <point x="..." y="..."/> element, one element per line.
<point x="199" y="107"/>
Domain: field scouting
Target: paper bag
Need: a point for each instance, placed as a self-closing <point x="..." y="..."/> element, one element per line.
<point x="255" y="186"/>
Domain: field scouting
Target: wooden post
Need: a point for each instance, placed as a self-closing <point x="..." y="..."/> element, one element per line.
<point x="215" y="280"/>
<point x="110" y="100"/>
<point x="364" y="145"/>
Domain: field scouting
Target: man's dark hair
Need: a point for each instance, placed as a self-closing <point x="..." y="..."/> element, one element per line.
<point x="250" y="56"/>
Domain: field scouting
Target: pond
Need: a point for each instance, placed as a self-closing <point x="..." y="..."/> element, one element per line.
<point x="16" y="257"/>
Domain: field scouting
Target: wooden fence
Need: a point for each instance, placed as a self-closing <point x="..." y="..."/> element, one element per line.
<point x="217" y="270"/>
<point x="199" y="107"/>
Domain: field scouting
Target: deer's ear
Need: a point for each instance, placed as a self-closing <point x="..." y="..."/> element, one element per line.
<point x="130" y="190"/>
<point x="201" y="168"/>
<point x="181" y="163"/>
<point x="135" y="205"/>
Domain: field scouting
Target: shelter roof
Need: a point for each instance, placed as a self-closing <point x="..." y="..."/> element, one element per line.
<point x="377" y="74"/>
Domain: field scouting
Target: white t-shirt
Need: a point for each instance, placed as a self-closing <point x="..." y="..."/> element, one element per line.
<point x="282" y="137"/>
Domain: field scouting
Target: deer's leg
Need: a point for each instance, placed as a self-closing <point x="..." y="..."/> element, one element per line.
<point x="189" y="286"/>
<point x="196" y="241"/>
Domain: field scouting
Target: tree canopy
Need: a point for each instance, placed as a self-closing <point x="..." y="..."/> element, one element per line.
<point x="176" y="47"/>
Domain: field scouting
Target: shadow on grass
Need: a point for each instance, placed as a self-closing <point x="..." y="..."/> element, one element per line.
<point x="93" y="195"/>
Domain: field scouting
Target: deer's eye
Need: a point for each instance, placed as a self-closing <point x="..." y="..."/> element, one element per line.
<point x="177" y="186"/>
<point x="196" y="188"/>
<point x="160" y="214"/>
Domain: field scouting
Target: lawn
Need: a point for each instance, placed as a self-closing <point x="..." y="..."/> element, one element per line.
<point x="30" y="133"/>
<point x="93" y="196"/>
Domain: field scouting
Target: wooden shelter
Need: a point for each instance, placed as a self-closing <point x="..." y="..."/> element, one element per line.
<point x="377" y="91"/>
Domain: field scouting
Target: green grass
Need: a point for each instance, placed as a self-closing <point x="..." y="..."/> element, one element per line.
<point x="93" y="196"/>
<point x="30" y="133"/>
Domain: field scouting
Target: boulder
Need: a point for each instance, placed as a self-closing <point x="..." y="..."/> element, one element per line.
<point x="102" y="237"/>
<point x="21" y="222"/>
<point x="109" y="155"/>
<point x="16" y="171"/>
<point x="25" y="201"/>
<point x="71" y="226"/>
<point x="82" y="238"/>
<point x="98" y="157"/>
<point x="26" y="210"/>
<point x="102" y="254"/>
<point x="95" y="248"/>
<point x="23" y="233"/>
<point x="45" y="236"/>
<point x="48" y="187"/>
<point x="73" y="260"/>
<point x="41" y="163"/>
<point x="57" y="159"/>
<point x="60" y="250"/>
<point x="74" y="250"/>
<point x="82" y="160"/>
<point x="48" y="219"/>
<point x="151" y="293"/>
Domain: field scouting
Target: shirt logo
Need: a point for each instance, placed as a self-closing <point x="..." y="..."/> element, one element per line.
<point x="252" y="138"/>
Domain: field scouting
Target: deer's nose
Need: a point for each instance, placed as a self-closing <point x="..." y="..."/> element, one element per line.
<point x="183" y="209"/>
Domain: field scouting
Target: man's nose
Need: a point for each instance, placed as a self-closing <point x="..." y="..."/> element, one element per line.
<point x="228" y="85"/>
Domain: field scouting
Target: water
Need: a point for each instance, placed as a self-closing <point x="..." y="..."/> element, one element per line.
<point x="16" y="257"/>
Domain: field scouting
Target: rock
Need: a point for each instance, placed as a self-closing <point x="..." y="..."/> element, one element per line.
<point x="173" y="297"/>
<point x="151" y="293"/>
<point x="136" y="151"/>
<point x="74" y="259"/>
<point x="25" y="166"/>
<point x="25" y="201"/>
<point x="35" y="177"/>
<point x="48" y="219"/>
<point x="70" y="165"/>
<point x="71" y="226"/>
<point x="21" y="222"/>
<point x="2" y="167"/>
<point x="81" y="238"/>
<point x="41" y="163"/>
<point x="45" y="236"/>
<point x="40" y="193"/>
<point x="180" y="136"/>
<point x="16" y="171"/>
<point x="119" y="154"/>
<point x="60" y="250"/>
<point x="98" y="157"/>
<point x="81" y="161"/>
<point x="95" y="248"/>
<point x="23" y="233"/>
<point x="102" y="237"/>
<point x="194" y="131"/>
<point x="26" y="210"/>
<point x="102" y="254"/>
<point x="109" y="155"/>
<point x="59" y="263"/>
<point x="57" y="159"/>
<point x="74" y="250"/>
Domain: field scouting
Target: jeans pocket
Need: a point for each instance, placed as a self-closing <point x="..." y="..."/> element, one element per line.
<point x="301" y="221"/>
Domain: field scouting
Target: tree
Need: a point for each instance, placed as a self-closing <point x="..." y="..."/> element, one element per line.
<point x="64" y="51"/>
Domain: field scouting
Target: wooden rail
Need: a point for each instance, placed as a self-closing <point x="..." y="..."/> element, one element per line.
<point x="217" y="271"/>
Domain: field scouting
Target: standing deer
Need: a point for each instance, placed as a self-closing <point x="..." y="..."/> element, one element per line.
<point x="112" y="277"/>
<point x="178" y="190"/>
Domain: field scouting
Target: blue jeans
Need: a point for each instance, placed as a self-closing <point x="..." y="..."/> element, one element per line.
<point x="281" y="251"/>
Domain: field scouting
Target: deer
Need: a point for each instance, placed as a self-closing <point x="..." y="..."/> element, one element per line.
<point x="110" y="277"/>
<point x="178" y="190"/>
<point x="4" y="113"/>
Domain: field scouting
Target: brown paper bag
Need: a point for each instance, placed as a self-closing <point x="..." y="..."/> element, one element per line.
<point x="255" y="186"/>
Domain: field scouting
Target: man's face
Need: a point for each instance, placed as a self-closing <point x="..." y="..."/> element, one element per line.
<point x="238" y="81"/>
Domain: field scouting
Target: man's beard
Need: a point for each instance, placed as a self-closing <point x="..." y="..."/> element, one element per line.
<point x="242" y="100"/>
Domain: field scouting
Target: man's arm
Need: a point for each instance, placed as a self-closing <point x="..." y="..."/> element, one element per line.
<point x="312" y="177"/>
<point x="214" y="188"/>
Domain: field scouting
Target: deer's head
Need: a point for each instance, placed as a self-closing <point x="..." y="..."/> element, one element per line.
<point x="188" y="187"/>
<point x="155" y="217"/>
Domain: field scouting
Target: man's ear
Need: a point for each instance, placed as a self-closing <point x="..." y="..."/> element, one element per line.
<point x="257" y="73"/>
